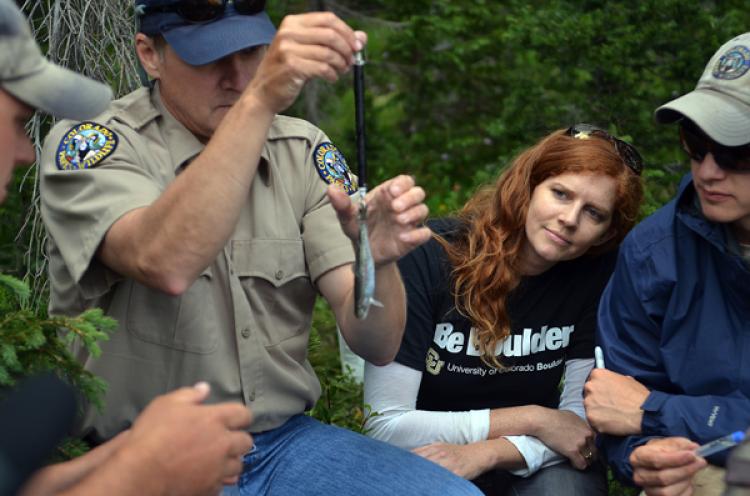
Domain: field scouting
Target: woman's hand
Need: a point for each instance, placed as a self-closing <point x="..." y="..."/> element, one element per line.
<point x="568" y="434"/>
<point x="468" y="460"/>
<point x="472" y="460"/>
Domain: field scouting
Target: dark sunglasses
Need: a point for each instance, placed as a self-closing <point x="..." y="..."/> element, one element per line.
<point x="697" y="145"/>
<point x="626" y="151"/>
<point x="198" y="11"/>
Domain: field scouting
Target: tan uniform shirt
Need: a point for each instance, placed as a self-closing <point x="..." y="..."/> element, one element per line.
<point x="244" y="324"/>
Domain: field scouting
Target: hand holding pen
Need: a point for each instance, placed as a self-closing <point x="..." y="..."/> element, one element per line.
<point x="613" y="401"/>
<point x="666" y="465"/>
<point x="708" y="449"/>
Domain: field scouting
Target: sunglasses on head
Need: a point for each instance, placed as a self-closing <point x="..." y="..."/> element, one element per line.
<point x="697" y="145"/>
<point x="199" y="11"/>
<point x="626" y="151"/>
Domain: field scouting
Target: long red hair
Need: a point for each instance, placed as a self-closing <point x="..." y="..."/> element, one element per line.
<point x="486" y="254"/>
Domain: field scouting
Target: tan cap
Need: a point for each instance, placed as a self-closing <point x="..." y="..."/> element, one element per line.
<point x="27" y="75"/>
<point x="720" y="104"/>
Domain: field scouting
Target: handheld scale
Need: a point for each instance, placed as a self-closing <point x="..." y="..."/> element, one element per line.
<point x="364" y="266"/>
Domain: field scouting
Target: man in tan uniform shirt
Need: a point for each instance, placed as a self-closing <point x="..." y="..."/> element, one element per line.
<point x="206" y="224"/>
<point x="175" y="433"/>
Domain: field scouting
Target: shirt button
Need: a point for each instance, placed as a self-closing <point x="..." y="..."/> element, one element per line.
<point x="245" y="333"/>
<point x="279" y="274"/>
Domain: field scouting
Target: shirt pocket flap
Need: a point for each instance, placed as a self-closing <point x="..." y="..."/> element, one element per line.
<point x="276" y="260"/>
<point x="184" y="322"/>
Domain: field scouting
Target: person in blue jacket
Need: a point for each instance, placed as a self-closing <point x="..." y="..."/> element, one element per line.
<point x="674" y="320"/>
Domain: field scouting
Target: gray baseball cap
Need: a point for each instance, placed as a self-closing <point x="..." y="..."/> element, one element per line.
<point x="720" y="104"/>
<point x="28" y="76"/>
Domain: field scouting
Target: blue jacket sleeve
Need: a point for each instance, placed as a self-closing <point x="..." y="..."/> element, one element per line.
<point x="627" y="335"/>
<point x="700" y="418"/>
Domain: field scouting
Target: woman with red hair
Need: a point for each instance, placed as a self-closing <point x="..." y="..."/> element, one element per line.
<point x="501" y="305"/>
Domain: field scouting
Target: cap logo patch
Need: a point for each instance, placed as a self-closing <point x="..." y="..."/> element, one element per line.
<point x="733" y="64"/>
<point x="84" y="146"/>
<point x="332" y="167"/>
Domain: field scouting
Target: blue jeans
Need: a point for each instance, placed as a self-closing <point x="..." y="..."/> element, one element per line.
<point x="306" y="457"/>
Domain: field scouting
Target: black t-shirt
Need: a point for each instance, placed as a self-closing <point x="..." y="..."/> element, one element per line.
<point x="553" y="317"/>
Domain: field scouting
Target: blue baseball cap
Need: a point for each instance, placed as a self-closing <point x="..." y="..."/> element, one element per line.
<point x="200" y="44"/>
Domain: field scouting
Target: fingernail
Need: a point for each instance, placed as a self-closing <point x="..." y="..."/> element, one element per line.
<point x="358" y="45"/>
<point x="203" y="386"/>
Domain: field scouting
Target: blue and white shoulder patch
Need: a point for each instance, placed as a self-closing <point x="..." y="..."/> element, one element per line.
<point x="331" y="166"/>
<point x="84" y="146"/>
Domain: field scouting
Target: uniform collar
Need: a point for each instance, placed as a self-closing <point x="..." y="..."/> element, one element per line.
<point x="134" y="109"/>
<point x="182" y="145"/>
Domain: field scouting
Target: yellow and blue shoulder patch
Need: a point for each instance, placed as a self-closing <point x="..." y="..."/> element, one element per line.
<point x="331" y="166"/>
<point x="85" y="146"/>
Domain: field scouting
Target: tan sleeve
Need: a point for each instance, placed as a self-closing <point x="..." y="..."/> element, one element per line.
<point x="79" y="206"/>
<point x="326" y="245"/>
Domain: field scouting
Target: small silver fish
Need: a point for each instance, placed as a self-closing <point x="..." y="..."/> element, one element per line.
<point x="364" y="266"/>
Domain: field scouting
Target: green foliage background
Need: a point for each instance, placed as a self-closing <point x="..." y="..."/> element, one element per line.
<point x="455" y="90"/>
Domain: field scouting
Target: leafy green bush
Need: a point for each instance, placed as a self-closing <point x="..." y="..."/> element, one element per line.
<point x="32" y="342"/>
<point x="341" y="400"/>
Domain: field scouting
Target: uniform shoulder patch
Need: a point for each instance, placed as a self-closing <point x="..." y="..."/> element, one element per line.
<point x="331" y="166"/>
<point x="84" y="146"/>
